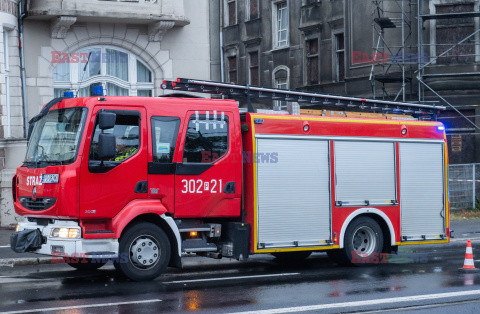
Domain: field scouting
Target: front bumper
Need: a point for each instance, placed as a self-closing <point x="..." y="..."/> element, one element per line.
<point x="88" y="248"/>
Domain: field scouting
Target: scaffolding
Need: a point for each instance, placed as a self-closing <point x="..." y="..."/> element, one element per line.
<point x="393" y="20"/>
<point x="449" y="34"/>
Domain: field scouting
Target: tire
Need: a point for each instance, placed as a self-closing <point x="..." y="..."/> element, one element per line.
<point x="150" y="240"/>
<point x="291" y="257"/>
<point x="86" y="266"/>
<point x="363" y="243"/>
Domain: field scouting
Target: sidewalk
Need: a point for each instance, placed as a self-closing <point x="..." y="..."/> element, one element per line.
<point x="463" y="230"/>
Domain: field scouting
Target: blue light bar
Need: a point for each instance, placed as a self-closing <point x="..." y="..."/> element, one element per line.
<point x="68" y="94"/>
<point x="441" y="128"/>
<point x="97" y="90"/>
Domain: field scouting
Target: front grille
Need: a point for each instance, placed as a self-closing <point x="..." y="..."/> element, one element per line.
<point x="38" y="204"/>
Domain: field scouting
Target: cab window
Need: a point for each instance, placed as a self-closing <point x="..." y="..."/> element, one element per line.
<point x="127" y="135"/>
<point x="206" y="139"/>
<point x="164" y="138"/>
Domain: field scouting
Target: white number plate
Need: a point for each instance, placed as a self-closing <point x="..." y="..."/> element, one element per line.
<point x="50" y="178"/>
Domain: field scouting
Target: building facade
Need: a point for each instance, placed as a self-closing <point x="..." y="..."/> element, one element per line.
<point x="127" y="46"/>
<point x="363" y="48"/>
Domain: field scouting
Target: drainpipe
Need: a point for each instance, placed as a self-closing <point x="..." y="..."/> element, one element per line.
<point x="21" y="16"/>
<point x="222" y="74"/>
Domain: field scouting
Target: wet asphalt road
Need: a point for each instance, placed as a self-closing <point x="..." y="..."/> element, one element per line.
<point x="424" y="279"/>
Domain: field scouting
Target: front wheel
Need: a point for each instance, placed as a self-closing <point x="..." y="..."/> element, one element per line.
<point x="363" y="243"/>
<point x="144" y="252"/>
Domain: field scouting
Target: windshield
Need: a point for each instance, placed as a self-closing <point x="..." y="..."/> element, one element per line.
<point x="56" y="137"/>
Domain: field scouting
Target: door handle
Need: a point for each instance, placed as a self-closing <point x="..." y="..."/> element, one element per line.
<point x="141" y="187"/>
<point x="229" y="188"/>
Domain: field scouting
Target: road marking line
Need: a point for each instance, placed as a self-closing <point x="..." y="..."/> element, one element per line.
<point x="364" y="303"/>
<point x="230" y="278"/>
<point x="83" y="306"/>
<point x="4" y="246"/>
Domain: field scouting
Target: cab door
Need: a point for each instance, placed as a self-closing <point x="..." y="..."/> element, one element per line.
<point x="107" y="186"/>
<point x="208" y="169"/>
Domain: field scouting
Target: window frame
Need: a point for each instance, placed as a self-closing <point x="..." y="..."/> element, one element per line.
<point x="248" y="9"/>
<point x="231" y="70"/>
<point x="337" y="52"/>
<point x="132" y="85"/>
<point x="308" y="57"/>
<point x="226" y="13"/>
<point x="152" y="129"/>
<point x="275" y="24"/>
<point x="200" y="114"/>
<point x="96" y="166"/>
<point x="253" y="67"/>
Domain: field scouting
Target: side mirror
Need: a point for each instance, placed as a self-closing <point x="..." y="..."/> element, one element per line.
<point x="107" y="146"/>
<point x="106" y="120"/>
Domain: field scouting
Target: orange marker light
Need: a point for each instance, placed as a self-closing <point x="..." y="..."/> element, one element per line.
<point x="193" y="233"/>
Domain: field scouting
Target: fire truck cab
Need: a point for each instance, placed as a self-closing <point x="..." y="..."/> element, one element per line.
<point x="144" y="180"/>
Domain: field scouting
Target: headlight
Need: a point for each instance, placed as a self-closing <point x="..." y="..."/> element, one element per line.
<point x="71" y="233"/>
<point x="17" y="227"/>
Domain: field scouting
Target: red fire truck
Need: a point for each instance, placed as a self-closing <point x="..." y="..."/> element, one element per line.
<point x="143" y="181"/>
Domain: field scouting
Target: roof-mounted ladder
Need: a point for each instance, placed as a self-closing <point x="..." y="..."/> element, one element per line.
<point x="322" y="101"/>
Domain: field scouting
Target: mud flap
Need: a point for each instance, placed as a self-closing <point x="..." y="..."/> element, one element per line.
<point x="26" y="241"/>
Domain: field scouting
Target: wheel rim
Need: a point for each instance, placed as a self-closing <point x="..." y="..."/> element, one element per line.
<point x="364" y="240"/>
<point x="144" y="252"/>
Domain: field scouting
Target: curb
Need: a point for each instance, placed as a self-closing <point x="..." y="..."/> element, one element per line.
<point x="28" y="261"/>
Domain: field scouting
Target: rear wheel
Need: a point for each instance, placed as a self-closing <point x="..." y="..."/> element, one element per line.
<point x="86" y="264"/>
<point x="144" y="252"/>
<point x="291" y="257"/>
<point x="363" y="243"/>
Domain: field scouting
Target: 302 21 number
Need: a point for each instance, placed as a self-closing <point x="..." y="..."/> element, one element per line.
<point x="200" y="186"/>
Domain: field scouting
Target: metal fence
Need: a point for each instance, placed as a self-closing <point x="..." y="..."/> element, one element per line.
<point x="463" y="186"/>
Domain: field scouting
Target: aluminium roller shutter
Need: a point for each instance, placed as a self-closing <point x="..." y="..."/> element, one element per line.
<point x="293" y="195"/>
<point x="422" y="190"/>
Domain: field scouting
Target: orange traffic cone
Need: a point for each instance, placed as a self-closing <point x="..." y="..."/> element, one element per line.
<point x="468" y="266"/>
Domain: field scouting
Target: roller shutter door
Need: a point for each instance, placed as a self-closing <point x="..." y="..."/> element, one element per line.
<point x="293" y="194"/>
<point x="422" y="190"/>
<point x="364" y="173"/>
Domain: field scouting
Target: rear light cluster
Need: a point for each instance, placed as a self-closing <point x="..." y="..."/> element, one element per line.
<point x="38" y="204"/>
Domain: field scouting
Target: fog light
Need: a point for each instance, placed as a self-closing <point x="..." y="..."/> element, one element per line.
<point x="71" y="233"/>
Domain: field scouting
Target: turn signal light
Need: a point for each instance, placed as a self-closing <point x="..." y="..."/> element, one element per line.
<point x="193" y="234"/>
<point x="65" y="233"/>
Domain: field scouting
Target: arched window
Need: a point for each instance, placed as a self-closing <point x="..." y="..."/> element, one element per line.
<point x="120" y="73"/>
<point x="281" y="80"/>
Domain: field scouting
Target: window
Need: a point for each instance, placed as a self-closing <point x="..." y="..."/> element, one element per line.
<point x="230" y="12"/>
<point x="119" y="72"/>
<point x="232" y="69"/>
<point x="340" y="57"/>
<point x="127" y="134"/>
<point x="312" y="61"/>
<point x="164" y="138"/>
<point x="253" y="64"/>
<point x="281" y="81"/>
<point x="207" y="138"/>
<point x="281" y="25"/>
<point x="452" y="30"/>
<point x="253" y="9"/>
